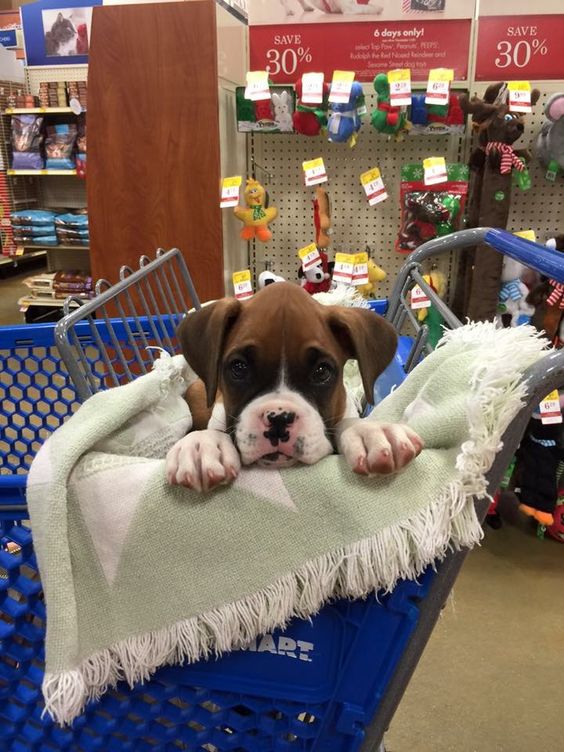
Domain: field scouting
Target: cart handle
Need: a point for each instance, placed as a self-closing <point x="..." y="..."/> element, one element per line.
<point x="534" y="255"/>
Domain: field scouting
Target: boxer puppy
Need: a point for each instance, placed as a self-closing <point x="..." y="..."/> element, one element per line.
<point x="272" y="368"/>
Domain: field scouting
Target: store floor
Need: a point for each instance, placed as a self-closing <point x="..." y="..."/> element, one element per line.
<point x="12" y="288"/>
<point x="491" y="677"/>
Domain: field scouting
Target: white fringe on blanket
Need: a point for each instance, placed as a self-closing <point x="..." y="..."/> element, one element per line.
<point x="402" y="551"/>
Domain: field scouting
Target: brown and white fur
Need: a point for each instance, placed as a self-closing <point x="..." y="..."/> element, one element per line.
<point x="346" y="7"/>
<point x="272" y="369"/>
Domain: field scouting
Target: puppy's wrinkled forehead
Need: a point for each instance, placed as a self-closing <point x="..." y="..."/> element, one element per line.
<point x="285" y="318"/>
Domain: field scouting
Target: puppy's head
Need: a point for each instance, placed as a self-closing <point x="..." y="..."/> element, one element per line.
<point x="277" y="360"/>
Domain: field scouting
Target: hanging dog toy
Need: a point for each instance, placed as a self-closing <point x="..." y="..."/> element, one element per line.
<point x="257" y="215"/>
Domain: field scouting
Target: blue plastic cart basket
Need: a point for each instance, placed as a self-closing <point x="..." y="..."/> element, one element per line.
<point x="331" y="684"/>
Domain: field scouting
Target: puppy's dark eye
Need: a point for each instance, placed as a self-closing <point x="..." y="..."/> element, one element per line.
<point x="238" y="369"/>
<point x="322" y="373"/>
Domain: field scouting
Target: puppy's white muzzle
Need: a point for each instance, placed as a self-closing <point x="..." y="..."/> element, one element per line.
<point x="280" y="429"/>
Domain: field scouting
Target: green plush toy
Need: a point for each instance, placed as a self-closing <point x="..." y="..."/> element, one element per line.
<point x="387" y="118"/>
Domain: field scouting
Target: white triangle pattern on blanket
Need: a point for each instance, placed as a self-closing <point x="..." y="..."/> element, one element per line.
<point x="108" y="499"/>
<point x="265" y="483"/>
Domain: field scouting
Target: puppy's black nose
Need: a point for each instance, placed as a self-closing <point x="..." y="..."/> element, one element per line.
<point x="278" y="427"/>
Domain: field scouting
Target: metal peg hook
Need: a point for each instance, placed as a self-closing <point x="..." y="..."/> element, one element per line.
<point x="269" y="175"/>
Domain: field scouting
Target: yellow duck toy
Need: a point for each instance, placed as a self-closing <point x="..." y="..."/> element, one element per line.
<point x="375" y="275"/>
<point x="255" y="216"/>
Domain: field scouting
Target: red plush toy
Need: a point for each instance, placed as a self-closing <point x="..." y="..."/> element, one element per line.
<point x="317" y="278"/>
<point x="310" y="119"/>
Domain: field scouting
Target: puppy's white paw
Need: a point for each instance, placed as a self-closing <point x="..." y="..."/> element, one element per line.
<point x="203" y="460"/>
<point x="371" y="447"/>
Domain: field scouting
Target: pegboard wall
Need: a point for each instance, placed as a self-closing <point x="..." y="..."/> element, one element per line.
<point x="277" y="162"/>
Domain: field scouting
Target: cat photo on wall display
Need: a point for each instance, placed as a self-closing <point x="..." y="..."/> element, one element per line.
<point x="66" y="31"/>
<point x="427" y="5"/>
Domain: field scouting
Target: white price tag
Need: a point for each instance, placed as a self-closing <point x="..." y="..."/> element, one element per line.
<point x="242" y="284"/>
<point x="314" y="171"/>
<point x="550" y="409"/>
<point x="419" y="299"/>
<point x="360" y="269"/>
<point x="438" y="86"/>
<point x="257" y="88"/>
<point x="230" y="191"/>
<point x="341" y="86"/>
<point x="434" y="170"/>
<point x="400" y="87"/>
<point x="312" y="88"/>
<point x="309" y="256"/>
<point x="373" y="186"/>
<point x="519" y="96"/>
<point x="343" y="269"/>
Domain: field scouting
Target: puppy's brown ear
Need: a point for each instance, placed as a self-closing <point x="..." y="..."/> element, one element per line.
<point x="368" y="338"/>
<point x="535" y="96"/>
<point x="202" y="337"/>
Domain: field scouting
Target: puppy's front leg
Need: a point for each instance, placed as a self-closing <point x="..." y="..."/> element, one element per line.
<point x="202" y="460"/>
<point x="370" y="447"/>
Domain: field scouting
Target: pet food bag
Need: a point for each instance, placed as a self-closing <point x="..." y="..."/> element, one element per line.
<point x="430" y="211"/>
<point x="26" y="139"/>
<point x="59" y="146"/>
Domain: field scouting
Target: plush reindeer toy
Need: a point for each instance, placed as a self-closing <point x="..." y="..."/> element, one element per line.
<point x="492" y="164"/>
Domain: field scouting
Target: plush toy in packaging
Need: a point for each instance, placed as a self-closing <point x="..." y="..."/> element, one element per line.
<point x="310" y="119"/>
<point x="256" y="215"/>
<point x="345" y="119"/>
<point x="272" y="115"/>
<point x="436" y="118"/>
<point x="430" y="211"/>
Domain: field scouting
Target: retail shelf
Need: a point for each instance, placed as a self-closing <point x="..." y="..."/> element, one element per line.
<point x="41" y="172"/>
<point x="60" y="247"/>
<point x="37" y="110"/>
<point x="14" y="260"/>
<point x="27" y="301"/>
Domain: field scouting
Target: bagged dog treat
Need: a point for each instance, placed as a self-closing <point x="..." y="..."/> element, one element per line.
<point x="72" y="221"/>
<point x="430" y="211"/>
<point x="59" y="146"/>
<point x="35" y="217"/>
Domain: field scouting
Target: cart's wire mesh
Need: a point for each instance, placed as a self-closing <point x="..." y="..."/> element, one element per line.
<point x="145" y="305"/>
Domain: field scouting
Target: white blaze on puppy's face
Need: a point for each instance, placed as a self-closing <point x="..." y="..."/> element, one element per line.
<point x="280" y="429"/>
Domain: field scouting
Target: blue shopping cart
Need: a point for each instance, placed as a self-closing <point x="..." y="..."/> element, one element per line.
<point x="330" y="684"/>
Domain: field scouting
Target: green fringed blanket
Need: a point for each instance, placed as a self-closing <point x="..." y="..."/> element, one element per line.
<point x="138" y="574"/>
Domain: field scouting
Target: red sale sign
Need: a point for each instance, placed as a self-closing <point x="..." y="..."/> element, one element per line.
<point x="287" y="51"/>
<point x="520" y="47"/>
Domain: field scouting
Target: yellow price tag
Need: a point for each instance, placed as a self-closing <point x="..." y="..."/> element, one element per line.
<point x="257" y="87"/>
<point x="527" y="234"/>
<point x="242" y="284"/>
<point x="343" y="269"/>
<point x="309" y="256"/>
<point x="314" y="171"/>
<point x="20" y="250"/>
<point x="373" y="186"/>
<point x="550" y="408"/>
<point x="360" y="269"/>
<point x="519" y="96"/>
<point x="434" y="170"/>
<point x="230" y="191"/>
<point x="341" y="86"/>
<point x="399" y="81"/>
<point x="438" y="85"/>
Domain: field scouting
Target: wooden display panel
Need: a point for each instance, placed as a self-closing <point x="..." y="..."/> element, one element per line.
<point x="153" y="140"/>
